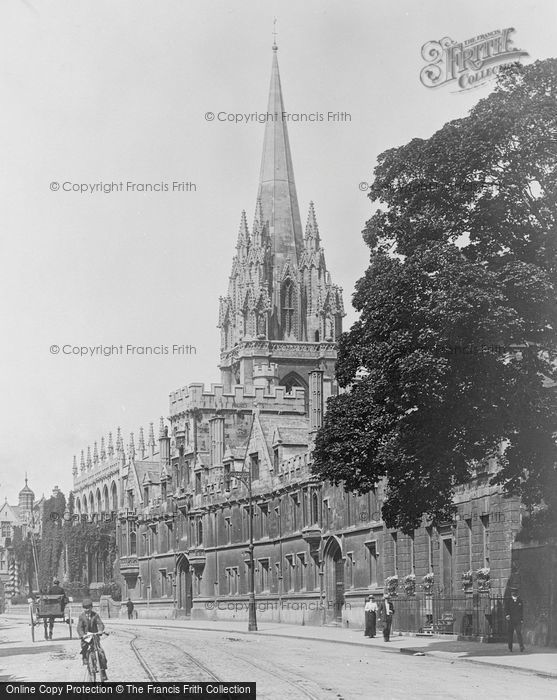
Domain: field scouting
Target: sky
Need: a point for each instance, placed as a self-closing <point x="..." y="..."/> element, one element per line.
<point x="103" y="92"/>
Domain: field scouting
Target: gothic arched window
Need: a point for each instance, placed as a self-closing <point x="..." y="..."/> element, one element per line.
<point x="288" y="297"/>
<point x="113" y="497"/>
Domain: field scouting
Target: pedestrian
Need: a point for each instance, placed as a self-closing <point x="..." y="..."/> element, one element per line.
<point x="370" y="611"/>
<point x="130" y="607"/>
<point x="387" y="612"/>
<point x="90" y="621"/>
<point x="55" y="589"/>
<point x="514" y="614"/>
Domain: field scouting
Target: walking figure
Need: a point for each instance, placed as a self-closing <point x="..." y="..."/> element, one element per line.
<point x="130" y="607"/>
<point x="514" y="614"/>
<point x="370" y="610"/>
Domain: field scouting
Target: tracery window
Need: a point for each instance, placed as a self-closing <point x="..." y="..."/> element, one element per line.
<point x="287" y="312"/>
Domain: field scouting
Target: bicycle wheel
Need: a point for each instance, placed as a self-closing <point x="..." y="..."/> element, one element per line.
<point x="91" y="667"/>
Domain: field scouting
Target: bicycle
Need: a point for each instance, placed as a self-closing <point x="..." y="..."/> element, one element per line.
<point x="92" y="657"/>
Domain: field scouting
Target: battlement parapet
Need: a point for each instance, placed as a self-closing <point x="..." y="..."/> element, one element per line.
<point x="275" y="398"/>
<point x="294" y="466"/>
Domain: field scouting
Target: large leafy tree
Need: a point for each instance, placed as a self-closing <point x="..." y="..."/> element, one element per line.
<point x="453" y="356"/>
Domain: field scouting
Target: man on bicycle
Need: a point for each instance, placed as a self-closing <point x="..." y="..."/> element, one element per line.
<point x="89" y="621"/>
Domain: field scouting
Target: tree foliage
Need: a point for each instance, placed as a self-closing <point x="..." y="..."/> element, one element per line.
<point x="451" y="360"/>
<point x="22" y="550"/>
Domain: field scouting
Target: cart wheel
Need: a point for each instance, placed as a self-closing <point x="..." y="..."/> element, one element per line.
<point x="32" y="624"/>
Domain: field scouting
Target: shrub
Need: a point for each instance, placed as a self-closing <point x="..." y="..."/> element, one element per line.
<point x="112" y="589"/>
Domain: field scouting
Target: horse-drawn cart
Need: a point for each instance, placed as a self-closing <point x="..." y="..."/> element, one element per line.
<point x="47" y="609"/>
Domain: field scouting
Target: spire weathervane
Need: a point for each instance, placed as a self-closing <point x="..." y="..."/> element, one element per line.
<point x="275" y="47"/>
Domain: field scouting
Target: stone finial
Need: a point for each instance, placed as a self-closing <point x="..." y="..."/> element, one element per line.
<point x="89" y="461"/>
<point x="110" y="446"/>
<point x="258" y="218"/>
<point x="82" y="461"/>
<point x="161" y="428"/>
<point x="74" y="467"/>
<point x="243" y="232"/>
<point x="151" y="440"/>
<point x="131" y="449"/>
<point x="311" y="237"/>
<point x="103" y="449"/>
<point x="141" y="444"/>
<point x="119" y="442"/>
<point x="95" y="454"/>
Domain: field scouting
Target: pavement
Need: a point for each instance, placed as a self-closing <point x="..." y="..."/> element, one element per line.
<point x="537" y="660"/>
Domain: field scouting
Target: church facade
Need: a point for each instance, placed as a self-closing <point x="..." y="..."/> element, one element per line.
<point x="185" y="518"/>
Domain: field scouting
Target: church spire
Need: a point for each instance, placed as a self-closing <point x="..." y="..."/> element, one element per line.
<point x="277" y="190"/>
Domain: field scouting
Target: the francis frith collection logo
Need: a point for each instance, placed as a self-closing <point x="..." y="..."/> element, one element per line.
<point x="469" y="63"/>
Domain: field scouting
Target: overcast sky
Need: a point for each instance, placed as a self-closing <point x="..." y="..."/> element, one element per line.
<point x="103" y="91"/>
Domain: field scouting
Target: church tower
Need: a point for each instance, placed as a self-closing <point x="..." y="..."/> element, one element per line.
<point x="282" y="315"/>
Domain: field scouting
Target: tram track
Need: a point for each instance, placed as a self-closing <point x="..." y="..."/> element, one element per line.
<point x="192" y="665"/>
<point x="267" y="668"/>
<point x="281" y="676"/>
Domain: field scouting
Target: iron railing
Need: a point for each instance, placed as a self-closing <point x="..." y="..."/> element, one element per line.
<point x="474" y="615"/>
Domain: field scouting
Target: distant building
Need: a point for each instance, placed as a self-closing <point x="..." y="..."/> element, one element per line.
<point x="26" y="515"/>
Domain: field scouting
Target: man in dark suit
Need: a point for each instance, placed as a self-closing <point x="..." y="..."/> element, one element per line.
<point x="514" y="614"/>
<point x="387" y="612"/>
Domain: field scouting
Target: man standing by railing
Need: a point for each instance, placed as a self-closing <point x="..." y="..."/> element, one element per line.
<point x="514" y="614"/>
<point x="387" y="612"/>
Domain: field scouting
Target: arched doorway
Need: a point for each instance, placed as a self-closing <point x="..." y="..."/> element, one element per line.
<point x="183" y="586"/>
<point x="334" y="580"/>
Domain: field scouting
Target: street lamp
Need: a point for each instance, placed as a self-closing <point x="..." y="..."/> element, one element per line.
<point x="245" y="478"/>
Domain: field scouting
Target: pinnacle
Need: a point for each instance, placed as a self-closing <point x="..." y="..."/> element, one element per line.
<point x="243" y="233"/>
<point x="312" y="230"/>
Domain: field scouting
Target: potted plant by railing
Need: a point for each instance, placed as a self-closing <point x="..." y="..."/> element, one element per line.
<point x="391" y="585"/>
<point x="482" y="576"/>
<point x="427" y="582"/>
<point x="467" y="579"/>
<point x="410" y="584"/>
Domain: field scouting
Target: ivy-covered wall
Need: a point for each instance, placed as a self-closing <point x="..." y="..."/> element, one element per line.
<point x="62" y="536"/>
<point x="52" y="542"/>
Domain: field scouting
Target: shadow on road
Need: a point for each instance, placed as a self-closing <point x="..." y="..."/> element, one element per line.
<point x="35" y="649"/>
<point x="476" y="650"/>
